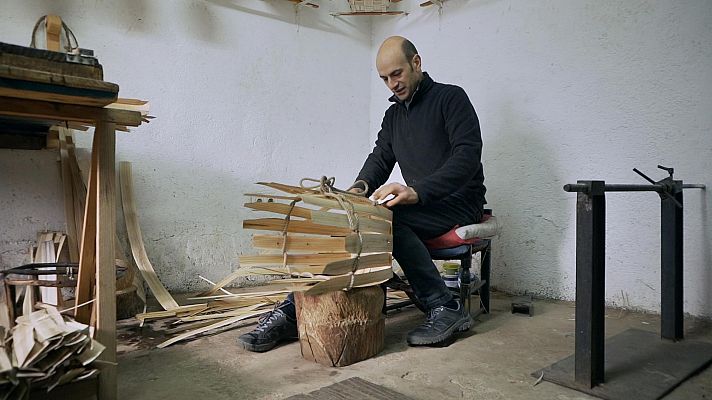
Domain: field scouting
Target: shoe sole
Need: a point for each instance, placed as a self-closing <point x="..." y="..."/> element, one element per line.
<point x="261" y="348"/>
<point x="446" y="338"/>
<point x="258" y="348"/>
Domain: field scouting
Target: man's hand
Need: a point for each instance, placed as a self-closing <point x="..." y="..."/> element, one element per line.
<point x="402" y="194"/>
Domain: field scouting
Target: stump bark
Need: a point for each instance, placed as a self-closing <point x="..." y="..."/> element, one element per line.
<point x="341" y="327"/>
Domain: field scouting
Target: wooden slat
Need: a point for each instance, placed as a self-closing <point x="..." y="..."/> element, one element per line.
<point x="277" y="224"/>
<point x="371" y="243"/>
<point x="52" y="31"/>
<point x="280" y="208"/>
<point x="172" y="312"/>
<point x="341" y="220"/>
<point x="105" y="254"/>
<point x="370" y="209"/>
<point x="67" y="112"/>
<point x="78" y="98"/>
<point x="301" y="243"/>
<point x="243" y="310"/>
<point x="78" y="186"/>
<point x="87" y="253"/>
<point x="272" y="196"/>
<point x="216" y="325"/>
<point x="293" y="269"/>
<point x="367" y="261"/>
<point x="292" y="259"/>
<point x="136" y="240"/>
<point x="51" y="78"/>
<point x="34" y="84"/>
<point x="287" y="188"/>
<point x="58" y="67"/>
<point x="222" y="283"/>
<point x="311" y="192"/>
<point x="46" y="254"/>
<point x="321" y="217"/>
<point x="68" y="197"/>
<point x="342" y="282"/>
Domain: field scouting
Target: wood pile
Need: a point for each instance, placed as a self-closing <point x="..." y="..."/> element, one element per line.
<point x="330" y="242"/>
<point x="43" y="350"/>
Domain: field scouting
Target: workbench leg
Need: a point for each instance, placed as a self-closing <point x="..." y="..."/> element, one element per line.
<point x="106" y="269"/>
<point x="671" y="267"/>
<point x="590" y="284"/>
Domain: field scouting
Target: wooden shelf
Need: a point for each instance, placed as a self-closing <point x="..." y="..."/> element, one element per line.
<point x="39" y="107"/>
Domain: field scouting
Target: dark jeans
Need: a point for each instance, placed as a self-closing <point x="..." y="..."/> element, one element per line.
<point x="411" y="225"/>
<point x="414" y="223"/>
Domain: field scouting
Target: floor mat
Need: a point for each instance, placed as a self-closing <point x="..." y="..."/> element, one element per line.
<point x="352" y="388"/>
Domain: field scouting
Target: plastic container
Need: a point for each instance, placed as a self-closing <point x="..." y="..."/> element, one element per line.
<point x="451" y="275"/>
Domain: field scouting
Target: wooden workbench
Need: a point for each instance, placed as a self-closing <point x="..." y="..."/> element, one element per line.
<point x="104" y="120"/>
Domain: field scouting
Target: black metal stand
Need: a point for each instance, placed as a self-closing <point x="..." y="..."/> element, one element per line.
<point x="591" y="363"/>
<point x="671" y="313"/>
<point x="590" y="283"/>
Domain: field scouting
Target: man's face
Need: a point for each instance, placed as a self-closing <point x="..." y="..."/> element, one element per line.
<point x="399" y="74"/>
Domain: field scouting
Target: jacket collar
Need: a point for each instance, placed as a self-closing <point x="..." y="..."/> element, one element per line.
<point x="425" y="84"/>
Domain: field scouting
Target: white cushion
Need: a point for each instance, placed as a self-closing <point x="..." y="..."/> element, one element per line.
<point x="484" y="230"/>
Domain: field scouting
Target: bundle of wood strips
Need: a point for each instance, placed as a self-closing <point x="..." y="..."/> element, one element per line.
<point x="43" y="350"/>
<point x="330" y="241"/>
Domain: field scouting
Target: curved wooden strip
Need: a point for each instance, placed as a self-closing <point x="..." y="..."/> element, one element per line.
<point x="360" y="280"/>
<point x="136" y="241"/>
<point x="368" y="261"/>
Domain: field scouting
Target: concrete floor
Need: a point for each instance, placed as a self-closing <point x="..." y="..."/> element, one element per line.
<point x="493" y="361"/>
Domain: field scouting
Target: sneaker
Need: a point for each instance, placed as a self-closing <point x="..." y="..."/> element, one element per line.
<point x="272" y="328"/>
<point x="440" y="326"/>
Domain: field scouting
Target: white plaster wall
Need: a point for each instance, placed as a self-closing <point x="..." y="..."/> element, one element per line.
<point x="569" y="90"/>
<point x="243" y="91"/>
<point x="250" y="90"/>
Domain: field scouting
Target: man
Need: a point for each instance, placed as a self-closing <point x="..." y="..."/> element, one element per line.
<point x="433" y="133"/>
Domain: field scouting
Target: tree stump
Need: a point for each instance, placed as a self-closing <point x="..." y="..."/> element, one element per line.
<point x="340" y="328"/>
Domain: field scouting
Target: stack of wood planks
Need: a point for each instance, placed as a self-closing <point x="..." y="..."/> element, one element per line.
<point x="43" y="350"/>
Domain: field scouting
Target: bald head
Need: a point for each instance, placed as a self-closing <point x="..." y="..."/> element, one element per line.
<point x="395" y="46"/>
<point x="398" y="64"/>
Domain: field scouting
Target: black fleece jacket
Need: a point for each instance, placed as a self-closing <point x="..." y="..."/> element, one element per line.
<point x="436" y="141"/>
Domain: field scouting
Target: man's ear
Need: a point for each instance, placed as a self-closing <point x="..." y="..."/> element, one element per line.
<point x="416" y="63"/>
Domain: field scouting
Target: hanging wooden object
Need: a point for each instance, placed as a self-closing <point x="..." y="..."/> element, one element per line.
<point x="370" y="7"/>
<point x="340" y="328"/>
<point x="304" y="3"/>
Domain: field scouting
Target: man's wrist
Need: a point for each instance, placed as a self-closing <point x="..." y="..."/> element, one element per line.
<point x="416" y="198"/>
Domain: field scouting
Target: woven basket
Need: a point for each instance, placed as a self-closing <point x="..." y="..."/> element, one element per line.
<point x="369" y="5"/>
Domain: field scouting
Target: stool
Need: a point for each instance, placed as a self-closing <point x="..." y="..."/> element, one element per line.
<point x="461" y="243"/>
<point x="465" y="253"/>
